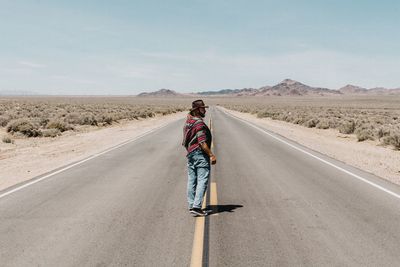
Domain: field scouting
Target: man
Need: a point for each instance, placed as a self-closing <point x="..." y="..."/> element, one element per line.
<point x="197" y="141"/>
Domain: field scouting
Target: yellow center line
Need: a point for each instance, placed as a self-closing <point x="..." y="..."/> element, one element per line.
<point x="211" y="129"/>
<point x="213" y="189"/>
<point x="214" y="199"/>
<point x="198" y="241"/>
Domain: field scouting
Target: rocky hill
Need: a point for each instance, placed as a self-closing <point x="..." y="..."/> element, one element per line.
<point x="230" y="92"/>
<point x="294" y="88"/>
<point x="384" y="91"/>
<point x="356" y="90"/>
<point x="353" y="89"/>
<point x="160" y="93"/>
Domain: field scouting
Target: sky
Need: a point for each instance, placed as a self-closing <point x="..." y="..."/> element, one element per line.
<point x="127" y="47"/>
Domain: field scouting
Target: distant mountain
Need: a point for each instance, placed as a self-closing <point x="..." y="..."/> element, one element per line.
<point x="160" y="93"/>
<point x="230" y="92"/>
<point x="263" y="90"/>
<point x="247" y="92"/>
<point x="356" y="90"/>
<point x="219" y="92"/>
<point x="384" y="91"/>
<point x="353" y="89"/>
<point x="378" y="90"/>
<point x="287" y="87"/>
<point x="290" y="87"/>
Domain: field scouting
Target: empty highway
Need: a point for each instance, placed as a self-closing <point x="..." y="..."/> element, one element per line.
<point x="274" y="202"/>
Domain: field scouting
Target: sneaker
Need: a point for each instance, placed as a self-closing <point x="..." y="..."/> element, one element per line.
<point x="198" y="212"/>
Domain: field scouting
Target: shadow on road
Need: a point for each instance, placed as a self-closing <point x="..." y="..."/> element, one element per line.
<point x="222" y="208"/>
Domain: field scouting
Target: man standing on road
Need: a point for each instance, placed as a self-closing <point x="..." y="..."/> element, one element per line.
<point x="197" y="141"/>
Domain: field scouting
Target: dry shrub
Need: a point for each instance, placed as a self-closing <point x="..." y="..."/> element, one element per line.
<point x="285" y="116"/>
<point x="364" y="134"/>
<point x="44" y="121"/>
<point x="298" y="120"/>
<point x="59" y="124"/>
<point x="150" y="114"/>
<point x="323" y="124"/>
<point x="146" y="114"/>
<point x="334" y="123"/>
<point x="73" y="118"/>
<point x="106" y="119"/>
<point x="23" y="126"/>
<point x="289" y="118"/>
<point x="85" y="118"/>
<point x="275" y="115"/>
<point x="382" y="132"/>
<point x="263" y="114"/>
<point x="51" y="132"/>
<point x="4" y="120"/>
<point x="393" y="139"/>
<point x="7" y="140"/>
<point x="347" y="127"/>
<point x="133" y="116"/>
<point x="311" y="123"/>
<point x="166" y="111"/>
<point x="88" y="119"/>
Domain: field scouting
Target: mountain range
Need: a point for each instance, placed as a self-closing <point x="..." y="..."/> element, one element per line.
<point x="290" y="87"/>
<point x="286" y="87"/>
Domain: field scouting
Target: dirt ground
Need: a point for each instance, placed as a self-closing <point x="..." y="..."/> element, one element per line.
<point x="367" y="155"/>
<point x="30" y="157"/>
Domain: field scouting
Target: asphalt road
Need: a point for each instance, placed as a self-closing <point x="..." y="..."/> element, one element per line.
<point x="277" y="206"/>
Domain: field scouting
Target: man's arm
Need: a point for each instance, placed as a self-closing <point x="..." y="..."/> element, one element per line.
<point x="207" y="150"/>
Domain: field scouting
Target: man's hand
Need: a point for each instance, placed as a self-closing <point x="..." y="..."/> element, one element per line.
<point x="207" y="150"/>
<point x="213" y="159"/>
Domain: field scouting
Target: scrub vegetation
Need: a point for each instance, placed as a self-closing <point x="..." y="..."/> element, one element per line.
<point x="368" y="118"/>
<point x="51" y="116"/>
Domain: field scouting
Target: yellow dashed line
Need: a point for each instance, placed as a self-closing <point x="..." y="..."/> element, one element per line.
<point x="214" y="198"/>
<point x="198" y="241"/>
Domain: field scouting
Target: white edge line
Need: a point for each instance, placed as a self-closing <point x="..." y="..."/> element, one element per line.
<point x="316" y="157"/>
<point x="82" y="161"/>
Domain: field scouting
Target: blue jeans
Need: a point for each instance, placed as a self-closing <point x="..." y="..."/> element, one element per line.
<point x="198" y="175"/>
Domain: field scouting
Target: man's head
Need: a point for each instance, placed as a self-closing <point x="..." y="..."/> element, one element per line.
<point x="198" y="108"/>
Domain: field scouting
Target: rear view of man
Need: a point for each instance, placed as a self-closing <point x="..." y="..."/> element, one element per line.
<point x="197" y="141"/>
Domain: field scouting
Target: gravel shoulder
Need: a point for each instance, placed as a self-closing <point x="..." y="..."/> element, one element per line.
<point x="31" y="157"/>
<point x="368" y="155"/>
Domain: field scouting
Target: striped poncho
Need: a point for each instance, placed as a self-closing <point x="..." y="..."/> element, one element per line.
<point x="195" y="132"/>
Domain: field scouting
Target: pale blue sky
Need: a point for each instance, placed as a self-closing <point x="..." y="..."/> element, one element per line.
<point x="126" y="47"/>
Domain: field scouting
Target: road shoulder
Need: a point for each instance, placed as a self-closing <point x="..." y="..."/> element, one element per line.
<point x="381" y="161"/>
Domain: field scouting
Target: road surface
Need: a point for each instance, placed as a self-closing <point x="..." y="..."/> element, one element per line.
<point x="273" y="205"/>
